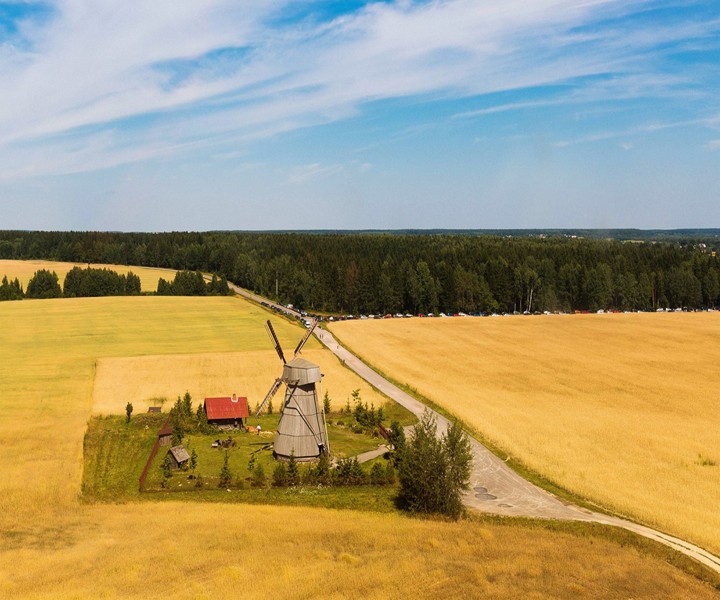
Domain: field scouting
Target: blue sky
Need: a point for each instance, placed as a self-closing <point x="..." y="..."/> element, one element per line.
<point x="301" y="114"/>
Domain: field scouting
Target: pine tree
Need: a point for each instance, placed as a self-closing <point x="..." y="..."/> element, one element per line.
<point x="128" y="411"/>
<point x="396" y="436"/>
<point x="322" y="469"/>
<point x="270" y="407"/>
<point x="166" y="469"/>
<point x="225" y="473"/>
<point x="187" y="405"/>
<point x="377" y="474"/>
<point x="326" y="403"/>
<point x="280" y="475"/>
<point x="293" y="472"/>
<point x="258" y="477"/>
<point x="434" y="471"/>
<point x="44" y="284"/>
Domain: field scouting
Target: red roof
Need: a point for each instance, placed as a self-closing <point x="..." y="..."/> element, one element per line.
<point x="225" y="408"/>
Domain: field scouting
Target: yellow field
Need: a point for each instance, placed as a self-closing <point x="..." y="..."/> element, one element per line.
<point x="143" y="379"/>
<point x="621" y="409"/>
<point x="54" y="546"/>
<point x="25" y="269"/>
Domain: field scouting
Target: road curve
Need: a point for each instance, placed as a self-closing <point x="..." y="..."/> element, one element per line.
<point x="494" y="487"/>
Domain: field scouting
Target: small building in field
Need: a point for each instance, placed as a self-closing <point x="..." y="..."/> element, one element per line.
<point x="165" y="434"/>
<point x="154" y="409"/>
<point x="227" y="412"/>
<point x="179" y="456"/>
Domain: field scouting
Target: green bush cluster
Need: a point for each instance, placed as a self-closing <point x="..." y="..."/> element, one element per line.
<point x="11" y="290"/>
<point x="434" y="471"/>
<point x="346" y="472"/>
<point x="99" y="282"/>
<point x="365" y="419"/>
<point x="192" y="283"/>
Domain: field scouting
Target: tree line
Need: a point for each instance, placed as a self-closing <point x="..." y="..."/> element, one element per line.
<point x="387" y="273"/>
<point x="78" y="283"/>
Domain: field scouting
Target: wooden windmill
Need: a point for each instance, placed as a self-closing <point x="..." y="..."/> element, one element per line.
<point x="302" y="427"/>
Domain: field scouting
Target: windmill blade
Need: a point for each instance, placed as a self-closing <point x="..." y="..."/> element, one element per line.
<point x="273" y="390"/>
<point x="276" y="342"/>
<point x="306" y="337"/>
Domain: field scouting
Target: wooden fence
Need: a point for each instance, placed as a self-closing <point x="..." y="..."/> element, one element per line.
<point x="153" y="452"/>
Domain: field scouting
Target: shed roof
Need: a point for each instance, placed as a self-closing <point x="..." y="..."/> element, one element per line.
<point x="166" y="430"/>
<point x="226" y="408"/>
<point x="180" y="453"/>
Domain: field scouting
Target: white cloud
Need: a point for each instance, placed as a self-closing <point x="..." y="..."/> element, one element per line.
<point x="713" y="145"/>
<point x="107" y="82"/>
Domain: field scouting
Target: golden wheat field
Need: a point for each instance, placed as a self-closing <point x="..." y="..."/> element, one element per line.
<point x="25" y="269"/>
<point x="53" y="545"/>
<point x="618" y="408"/>
<point x="143" y="380"/>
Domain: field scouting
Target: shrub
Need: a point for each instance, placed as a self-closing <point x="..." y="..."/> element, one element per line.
<point x="280" y="475"/>
<point x="349" y="472"/>
<point x="377" y="474"/>
<point x="434" y="471"/>
<point x="258" y="477"/>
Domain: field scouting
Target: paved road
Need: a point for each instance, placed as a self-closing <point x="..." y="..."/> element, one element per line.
<point x="494" y="487"/>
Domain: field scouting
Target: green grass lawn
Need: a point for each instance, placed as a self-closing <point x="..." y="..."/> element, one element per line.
<point x="115" y="453"/>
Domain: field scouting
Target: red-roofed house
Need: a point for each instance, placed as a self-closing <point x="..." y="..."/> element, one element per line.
<point x="227" y="412"/>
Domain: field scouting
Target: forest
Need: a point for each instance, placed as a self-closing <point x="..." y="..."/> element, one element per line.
<point x="378" y="273"/>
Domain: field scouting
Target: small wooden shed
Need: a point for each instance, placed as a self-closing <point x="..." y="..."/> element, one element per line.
<point x="179" y="456"/>
<point x="165" y="434"/>
<point x="154" y="409"/>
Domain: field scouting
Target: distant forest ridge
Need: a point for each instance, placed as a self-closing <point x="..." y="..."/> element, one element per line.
<point x="711" y="236"/>
<point x="422" y="271"/>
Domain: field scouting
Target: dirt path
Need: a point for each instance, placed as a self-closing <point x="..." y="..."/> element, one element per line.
<point x="494" y="487"/>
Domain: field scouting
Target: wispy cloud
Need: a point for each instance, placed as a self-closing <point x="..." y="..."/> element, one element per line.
<point x="713" y="145"/>
<point x="305" y="173"/>
<point x="89" y="85"/>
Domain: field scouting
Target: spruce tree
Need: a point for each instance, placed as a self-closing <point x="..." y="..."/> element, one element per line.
<point x="258" y="477"/>
<point x="434" y="471"/>
<point x="166" y="469"/>
<point x="293" y="472"/>
<point x="128" y="411"/>
<point x="225" y="473"/>
<point x="280" y="475"/>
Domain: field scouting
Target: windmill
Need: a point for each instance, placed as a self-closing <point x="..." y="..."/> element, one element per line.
<point x="302" y="427"/>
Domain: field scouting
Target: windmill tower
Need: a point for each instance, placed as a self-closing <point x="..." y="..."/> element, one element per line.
<point x="302" y="427"/>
